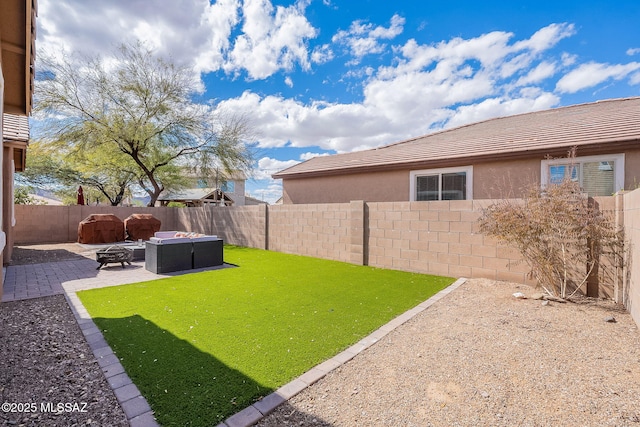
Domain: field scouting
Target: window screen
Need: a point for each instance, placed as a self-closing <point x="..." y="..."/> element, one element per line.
<point x="445" y="186"/>
<point x="428" y="187"/>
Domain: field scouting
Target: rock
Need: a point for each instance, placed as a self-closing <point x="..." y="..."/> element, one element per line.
<point x="545" y="303"/>
<point x="610" y="319"/>
<point x="537" y="295"/>
<point x="519" y="295"/>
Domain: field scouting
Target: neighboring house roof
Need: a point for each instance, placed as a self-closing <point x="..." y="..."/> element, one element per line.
<point x="196" y="195"/>
<point x="253" y="201"/>
<point x="613" y="122"/>
<point x="15" y="128"/>
<point x="189" y="194"/>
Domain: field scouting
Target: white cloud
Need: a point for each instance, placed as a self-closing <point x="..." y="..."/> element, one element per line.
<point x="322" y="54"/>
<point x="191" y="32"/>
<point x="496" y="107"/>
<point x="633" y="51"/>
<point x="431" y="86"/>
<point x="268" y="166"/>
<point x="288" y="81"/>
<point x="547" y="37"/>
<point x="363" y="38"/>
<point x="568" y="59"/>
<point x="307" y="156"/>
<point x="542" y="71"/>
<point x="592" y="74"/>
<point x="271" y="41"/>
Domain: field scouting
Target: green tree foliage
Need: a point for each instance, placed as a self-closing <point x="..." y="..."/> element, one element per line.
<point x="134" y="115"/>
<point x="21" y="196"/>
<point x="104" y="176"/>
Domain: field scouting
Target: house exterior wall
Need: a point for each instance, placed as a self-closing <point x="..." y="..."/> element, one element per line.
<point x="491" y="180"/>
<point x="2" y="178"/>
<point x="374" y="187"/>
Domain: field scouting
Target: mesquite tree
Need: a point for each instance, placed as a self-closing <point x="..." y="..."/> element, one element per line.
<point x="138" y="106"/>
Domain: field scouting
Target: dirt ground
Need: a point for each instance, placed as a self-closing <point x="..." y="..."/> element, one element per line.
<point x="41" y="253"/>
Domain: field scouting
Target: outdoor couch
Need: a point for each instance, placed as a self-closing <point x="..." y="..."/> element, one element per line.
<point x="169" y="251"/>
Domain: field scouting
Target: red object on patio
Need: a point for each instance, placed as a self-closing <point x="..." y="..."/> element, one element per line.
<point x="141" y="226"/>
<point x="80" y="196"/>
<point x="101" y="228"/>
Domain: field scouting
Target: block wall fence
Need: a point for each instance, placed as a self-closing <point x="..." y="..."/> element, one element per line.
<point x="439" y="237"/>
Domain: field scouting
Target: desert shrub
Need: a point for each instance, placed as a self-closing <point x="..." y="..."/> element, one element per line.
<point x="560" y="233"/>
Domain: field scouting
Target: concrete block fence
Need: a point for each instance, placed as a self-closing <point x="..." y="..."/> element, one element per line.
<point x="439" y="237"/>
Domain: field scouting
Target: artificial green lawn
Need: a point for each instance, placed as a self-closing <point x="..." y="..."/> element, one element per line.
<point x="203" y="346"/>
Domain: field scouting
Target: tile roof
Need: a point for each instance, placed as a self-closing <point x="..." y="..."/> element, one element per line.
<point x="15" y="128"/>
<point x="553" y="132"/>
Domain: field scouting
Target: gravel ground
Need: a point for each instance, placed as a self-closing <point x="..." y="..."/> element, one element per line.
<point x="45" y="360"/>
<point x="481" y="357"/>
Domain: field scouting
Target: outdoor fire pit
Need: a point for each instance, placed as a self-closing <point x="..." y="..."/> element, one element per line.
<point x="114" y="254"/>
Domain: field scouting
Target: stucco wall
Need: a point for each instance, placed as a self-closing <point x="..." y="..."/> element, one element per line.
<point x="372" y="187"/>
<point x="491" y="180"/>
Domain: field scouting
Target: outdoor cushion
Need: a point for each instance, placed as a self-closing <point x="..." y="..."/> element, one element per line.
<point x="169" y="240"/>
<point x="165" y="234"/>
<point x="205" y="238"/>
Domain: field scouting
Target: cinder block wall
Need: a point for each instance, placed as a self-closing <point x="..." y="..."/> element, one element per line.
<point x="438" y="238"/>
<point x="241" y="225"/>
<point x="58" y="224"/>
<point x="631" y="289"/>
<point x="321" y="230"/>
<point x="428" y="237"/>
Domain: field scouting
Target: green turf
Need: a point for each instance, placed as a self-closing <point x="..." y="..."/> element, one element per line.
<point x="203" y="346"/>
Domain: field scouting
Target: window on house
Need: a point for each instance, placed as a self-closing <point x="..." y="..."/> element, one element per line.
<point x="228" y="186"/>
<point x="441" y="184"/>
<point x="597" y="175"/>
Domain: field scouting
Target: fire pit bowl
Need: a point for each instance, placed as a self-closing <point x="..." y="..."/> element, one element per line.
<point x="114" y="253"/>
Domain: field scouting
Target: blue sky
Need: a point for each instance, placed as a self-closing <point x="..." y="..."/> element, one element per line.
<point x="317" y="77"/>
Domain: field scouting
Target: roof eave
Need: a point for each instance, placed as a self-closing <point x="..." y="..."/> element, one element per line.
<point x="558" y="151"/>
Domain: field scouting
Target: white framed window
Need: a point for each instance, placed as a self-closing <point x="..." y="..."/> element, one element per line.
<point x="597" y="175"/>
<point x="441" y="184"/>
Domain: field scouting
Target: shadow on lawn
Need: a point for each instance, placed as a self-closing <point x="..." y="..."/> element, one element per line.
<point x="183" y="385"/>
